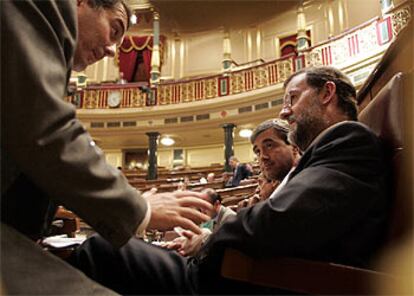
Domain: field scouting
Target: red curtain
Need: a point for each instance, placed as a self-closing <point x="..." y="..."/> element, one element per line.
<point x="132" y="48"/>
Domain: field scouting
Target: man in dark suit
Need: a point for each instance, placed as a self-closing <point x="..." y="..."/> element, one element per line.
<point x="240" y="171"/>
<point x="332" y="208"/>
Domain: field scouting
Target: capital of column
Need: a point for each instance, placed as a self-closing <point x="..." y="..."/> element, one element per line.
<point x="228" y="126"/>
<point x="153" y="135"/>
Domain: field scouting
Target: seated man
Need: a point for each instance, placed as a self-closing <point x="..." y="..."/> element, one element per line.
<point x="332" y="208"/>
<point x="275" y="154"/>
<point x="220" y="213"/>
<point x="210" y="177"/>
<point x="189" y="243"/>
<point x="276" y="158"/>
<point x="263" y="191"/>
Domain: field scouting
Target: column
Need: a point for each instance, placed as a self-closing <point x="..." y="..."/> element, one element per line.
<point x="258" y="44"/>
<point x="386" y="5"/>
<point x="249" y="45"/>
<point x="277" y="47"/>
<point x="155" y="57"/>
<point x="226" y="52"/>
<point x="341" y="16"/>
<point x="228" y="144"/>
<point x="331" y="25"/>
<point x="152" y="155"/>
<point x="301" y="39"/>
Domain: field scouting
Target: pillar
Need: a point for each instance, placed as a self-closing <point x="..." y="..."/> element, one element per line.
<point x="301" y="39"/>
<point x="228" y="144"/>
<point x="155" y="57"/>
<point x="386" y="5"/>
<point x="226" y="53"/>
<point x="152" y="173"/>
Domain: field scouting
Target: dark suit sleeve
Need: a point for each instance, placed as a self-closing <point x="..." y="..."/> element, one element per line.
<point x="336" y="192"/>
<point x="40" y="131"/>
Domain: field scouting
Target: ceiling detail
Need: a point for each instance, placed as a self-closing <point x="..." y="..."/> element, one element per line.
<point x="197" y="16"/>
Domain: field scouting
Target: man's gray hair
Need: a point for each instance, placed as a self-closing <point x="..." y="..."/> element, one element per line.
<point x="279" y="125"/>
<point x="234" y="158"/>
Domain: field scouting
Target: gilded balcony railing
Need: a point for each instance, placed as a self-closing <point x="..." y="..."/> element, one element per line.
<point x="350" y="48"/>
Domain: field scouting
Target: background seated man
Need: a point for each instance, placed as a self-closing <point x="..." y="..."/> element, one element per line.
<point x="263" y="191"/>
<point x="210" y="177"/>
<point x="189" y="242"/>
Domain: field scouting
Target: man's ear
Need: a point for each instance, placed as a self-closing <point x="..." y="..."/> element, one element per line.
<point x="328" y="93"/>
<point x="217" y="204"/>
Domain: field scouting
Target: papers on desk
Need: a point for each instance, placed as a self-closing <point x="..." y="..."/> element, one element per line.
<point x="62" y="241"/>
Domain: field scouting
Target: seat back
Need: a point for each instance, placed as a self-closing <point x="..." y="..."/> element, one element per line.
<point x="385" y="116"/>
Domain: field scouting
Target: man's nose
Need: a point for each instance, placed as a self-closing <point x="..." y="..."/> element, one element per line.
<point x="285" y="112"/>
<point x="110" y="50"/>
<point x="264" y="156"/>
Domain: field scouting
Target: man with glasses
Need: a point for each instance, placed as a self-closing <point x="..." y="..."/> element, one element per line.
<point x="332" y="208"/>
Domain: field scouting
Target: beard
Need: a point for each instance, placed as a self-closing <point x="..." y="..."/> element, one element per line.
<point x="279" y="171"/>
<point x="308" y="125"/>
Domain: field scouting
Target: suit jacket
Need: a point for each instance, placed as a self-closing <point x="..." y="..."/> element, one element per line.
<point x="224" y="214"/>
<point x="332" y="208"/>
<point x="241" y="172"/>
<point x="47" y="157"/>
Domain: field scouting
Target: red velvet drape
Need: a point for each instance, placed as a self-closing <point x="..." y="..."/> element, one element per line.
<point x="131" y="48"/>
<point x="146" y="55"/>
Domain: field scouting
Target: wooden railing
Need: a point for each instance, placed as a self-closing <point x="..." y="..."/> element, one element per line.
<point x="354" y="46"/>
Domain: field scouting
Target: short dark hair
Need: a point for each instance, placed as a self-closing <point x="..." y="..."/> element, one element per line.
<point x="280" y="126"/>
<point x="213" y="196"/>
<point x="318" y="76"/>
<point x="110" y="4"/>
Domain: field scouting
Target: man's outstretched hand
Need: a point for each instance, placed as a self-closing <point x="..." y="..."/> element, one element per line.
<point x="189" y="243"/>
<point x="179" y="208"/>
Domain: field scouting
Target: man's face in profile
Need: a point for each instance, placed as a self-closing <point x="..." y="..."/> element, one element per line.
<point x="303" y="111"/>
<point x="99" y="30"/>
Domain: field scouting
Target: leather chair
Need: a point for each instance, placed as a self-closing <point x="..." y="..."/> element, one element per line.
<point x="384" y="115"/>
